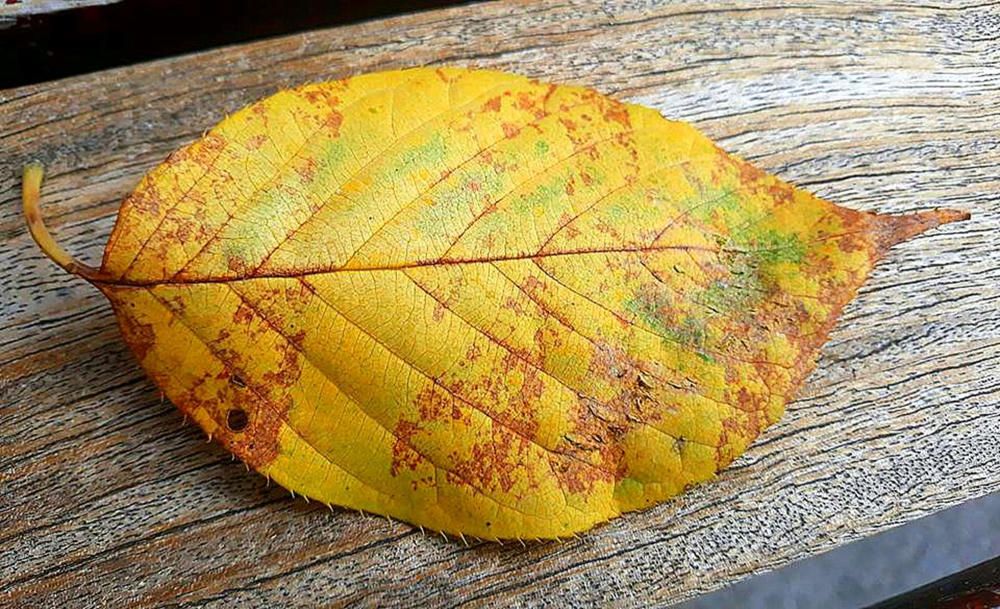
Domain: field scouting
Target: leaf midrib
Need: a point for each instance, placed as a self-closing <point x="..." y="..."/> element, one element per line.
<point x="293" y="273"/>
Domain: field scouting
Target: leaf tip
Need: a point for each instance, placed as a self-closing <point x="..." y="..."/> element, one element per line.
<point x="889" y="230"/>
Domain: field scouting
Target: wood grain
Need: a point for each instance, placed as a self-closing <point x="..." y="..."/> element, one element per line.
<point x="21" y="8"/>
<point x="105" y="500"/>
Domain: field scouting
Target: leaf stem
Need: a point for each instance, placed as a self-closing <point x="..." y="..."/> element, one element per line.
<point x="30" y="196"/>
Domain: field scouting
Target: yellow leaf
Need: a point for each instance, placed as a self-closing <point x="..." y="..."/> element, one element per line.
<point x="476" y="302"/>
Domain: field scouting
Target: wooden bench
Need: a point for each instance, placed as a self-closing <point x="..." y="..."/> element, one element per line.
<point x="105" y="499"/>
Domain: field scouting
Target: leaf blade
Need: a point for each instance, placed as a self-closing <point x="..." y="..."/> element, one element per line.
<point x="517" y="316"/>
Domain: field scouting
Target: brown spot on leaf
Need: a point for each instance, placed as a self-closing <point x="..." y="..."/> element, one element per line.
<point x="403" y="453"/>
<point x="307" y="170"/>
<point x="598" y="428"/>
<point x="256" y="441"/>
<point x="289" y="368"/>
<point x="492" y="105"/>
<point x="256" y="142"/>
<point x="510" y="130"/>
<point x="493" y="465"/>
<point x="139" y="336"/>
<point x="244" y="314"/>
<point x="780" y="193"/>
<point x="595" y="441"/>
<point x="320" y="96"/>
<point x="525" y="101"/>
<point x="434" y="403"/>
<point x="438" y="313"/>
<point x="618" y="113"/>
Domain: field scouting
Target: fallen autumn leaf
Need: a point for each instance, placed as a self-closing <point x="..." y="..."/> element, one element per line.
<point x="473" y="301"/>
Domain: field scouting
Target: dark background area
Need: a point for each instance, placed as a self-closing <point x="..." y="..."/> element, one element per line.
<point x="37" y="48"/>
<point x="895" y="569"/>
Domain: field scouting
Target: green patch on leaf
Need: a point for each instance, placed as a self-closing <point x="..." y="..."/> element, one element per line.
<point x="653" y="308"/>
<point x="770" y="246"/>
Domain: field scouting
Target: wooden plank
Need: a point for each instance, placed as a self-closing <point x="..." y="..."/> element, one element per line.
<point x="106" y="500"/>
<point x="21" y="8"/>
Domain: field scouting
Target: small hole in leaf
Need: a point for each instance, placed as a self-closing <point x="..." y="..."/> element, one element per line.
<point x="237" y="419"/>
<point x="237" y="381"/>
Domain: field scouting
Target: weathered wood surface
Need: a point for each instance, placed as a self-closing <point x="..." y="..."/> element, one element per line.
<point x="105" y="500"/>
<point x="20" y="8"/>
